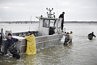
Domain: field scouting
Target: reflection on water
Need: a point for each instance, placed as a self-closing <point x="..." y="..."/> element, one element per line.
<point x="81" y="52"/>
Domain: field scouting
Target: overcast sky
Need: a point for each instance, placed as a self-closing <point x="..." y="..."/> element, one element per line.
<point x="76" y="10"/>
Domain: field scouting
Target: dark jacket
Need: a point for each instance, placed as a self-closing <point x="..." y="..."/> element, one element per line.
<point x="91" y="34"/>
<point x="9" y="42"/>
<point x="61" y="16"/>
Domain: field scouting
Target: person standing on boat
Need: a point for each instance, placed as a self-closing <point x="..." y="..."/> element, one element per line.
<point x="31" y="44"/>
<point x="62" y="18"/>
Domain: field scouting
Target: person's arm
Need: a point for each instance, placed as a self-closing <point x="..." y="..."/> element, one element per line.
<point x="26" y="37"/>
<point x="69" y="41"/>
<point x="15" y="40"/>
<point x="60" y="16"/>
<point x="94" y="35"/>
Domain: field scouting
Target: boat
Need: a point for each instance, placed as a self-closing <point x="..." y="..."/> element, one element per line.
<point x="48" y="34"/>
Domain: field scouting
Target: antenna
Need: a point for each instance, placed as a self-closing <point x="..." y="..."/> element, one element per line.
<point x="49" y="13"/>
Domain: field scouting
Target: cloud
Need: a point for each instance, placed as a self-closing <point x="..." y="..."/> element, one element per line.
<point x="24" y="9"/>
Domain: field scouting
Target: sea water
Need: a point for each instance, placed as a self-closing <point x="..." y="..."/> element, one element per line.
<point x="81" y="52"/>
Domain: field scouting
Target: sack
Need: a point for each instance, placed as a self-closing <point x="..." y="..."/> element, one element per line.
<point x="63" y="39"/>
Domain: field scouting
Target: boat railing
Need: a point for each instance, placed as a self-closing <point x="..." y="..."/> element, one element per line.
<point x="41" y="42"/>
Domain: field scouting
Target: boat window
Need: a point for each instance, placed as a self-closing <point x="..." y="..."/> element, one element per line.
<point x="46" y="23"/>
<point x="52" y="23"/>
<point x="49" y="23"/>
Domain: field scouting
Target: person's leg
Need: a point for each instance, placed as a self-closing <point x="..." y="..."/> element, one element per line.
<point x="71" y="41"/>
<point x="62" y="25"/>
<point x="0" y="48"/>
<point x="5" y="49"/>
<point x="14" y="53"/>
<point x="17" y="56"/>
<point x="64" y="42"/>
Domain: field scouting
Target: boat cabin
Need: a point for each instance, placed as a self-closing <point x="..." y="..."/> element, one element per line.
<point x="49" y="25"/>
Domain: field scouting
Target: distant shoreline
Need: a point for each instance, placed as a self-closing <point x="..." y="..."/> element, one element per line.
<point x="80" y="21"/>
<point x="38" y="21"/>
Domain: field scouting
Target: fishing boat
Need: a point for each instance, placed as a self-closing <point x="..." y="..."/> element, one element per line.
<point x="48" y="34"/>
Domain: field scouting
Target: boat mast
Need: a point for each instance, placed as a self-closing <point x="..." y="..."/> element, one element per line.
<point x="49" y="13"/>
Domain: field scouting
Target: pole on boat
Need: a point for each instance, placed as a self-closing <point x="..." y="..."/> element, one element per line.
<point x="49" y="13"/>
<point x="1" y="40"/>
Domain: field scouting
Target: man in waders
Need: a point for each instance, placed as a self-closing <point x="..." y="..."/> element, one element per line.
<point x="91" y="35"/>
<point x="67" y="39"/>
<point x="10" y="46"/>
<point x="62" y="22"/>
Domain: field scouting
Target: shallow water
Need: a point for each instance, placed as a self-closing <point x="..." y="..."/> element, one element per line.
<point x="81" y="52"/>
